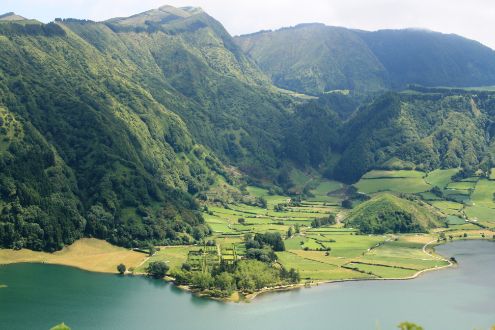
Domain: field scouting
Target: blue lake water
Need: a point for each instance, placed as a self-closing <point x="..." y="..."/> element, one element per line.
<point x="39" y="296"/>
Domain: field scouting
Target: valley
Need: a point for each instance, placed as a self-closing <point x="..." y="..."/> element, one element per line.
<point x="159" y="145"/>
<point x="319" y="253"/>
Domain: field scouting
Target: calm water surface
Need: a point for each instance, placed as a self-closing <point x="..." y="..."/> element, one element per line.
<point x="39" y="296"/>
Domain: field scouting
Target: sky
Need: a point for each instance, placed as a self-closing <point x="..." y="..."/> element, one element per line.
<point x="474" y="19"/>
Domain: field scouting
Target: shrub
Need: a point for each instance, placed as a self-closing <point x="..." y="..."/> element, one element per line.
<point x="157" y="269"/>
<point x="121" y="269"/>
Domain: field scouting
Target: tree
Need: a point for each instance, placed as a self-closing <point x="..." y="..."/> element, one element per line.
<point x="262" y="202"/>
<point x="157" y="269"/>
<point x="225" y="282"/>
<point x="297" y="228"/>
<point x="202" y="281"/>
<point x="289" y="232"/>
<point x="121" y="269"/>
<point x="241" y="221"/>
<point x="61" y="326"/>
<point x="409" y="326"/>
<point x="347" y="204"/>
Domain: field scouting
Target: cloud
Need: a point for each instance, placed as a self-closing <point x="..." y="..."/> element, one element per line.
<point x="474" y="19"/>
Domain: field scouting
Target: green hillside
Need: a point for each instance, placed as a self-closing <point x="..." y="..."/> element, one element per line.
<point x="387" y="213"/>
<point x="109" y="129"/>
<point x="122" y="129"/>
<point x="436" y="130"/>
<point x="314" y="58"/>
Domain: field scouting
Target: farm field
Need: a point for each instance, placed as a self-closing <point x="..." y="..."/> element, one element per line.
<point x="395" y="181"/>
<point x="440" y="178"/>
<point x="326" y="253"/>
<point x="335" y="252"/>
<point x="471" y="198"/>
<point x="174" y="256"/>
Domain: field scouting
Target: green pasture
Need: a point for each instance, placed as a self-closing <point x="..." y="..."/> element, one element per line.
<point x="405" y="185"/>
<point x="383" y="271"/>
<point x="378" y="174"/>
<point x="441" y="178"/>
<point x="483" y="194"/>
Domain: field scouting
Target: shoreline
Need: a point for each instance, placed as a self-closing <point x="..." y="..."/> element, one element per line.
<point x="250" y="297"/>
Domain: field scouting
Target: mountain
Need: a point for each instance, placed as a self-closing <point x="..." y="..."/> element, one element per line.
<point x="386" y="213"/>
<point x="314" y="58"/>
<point x="116" y="129"/>
<point x="108" y="129"/>
<point x="11" y="17"/>
<point x="430" y="130"/>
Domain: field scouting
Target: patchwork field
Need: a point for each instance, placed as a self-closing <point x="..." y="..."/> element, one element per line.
<point x="330" y="252"/>
<point x="471" y="198"/>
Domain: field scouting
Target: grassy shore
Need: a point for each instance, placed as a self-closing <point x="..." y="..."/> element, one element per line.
<point x="87" y="254"/>
<point x="331" y="253"/>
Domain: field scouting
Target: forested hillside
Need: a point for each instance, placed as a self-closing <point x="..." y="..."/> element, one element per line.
<point x="428" y="130"/>
<point x="91" y="140"/>
<point x="314" y="58"/>
<point x="117" y="129"/>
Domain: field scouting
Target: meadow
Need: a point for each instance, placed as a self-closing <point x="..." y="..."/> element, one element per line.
<point x="405" y="181"/>
<point x="328" y="253"/>
<point x="87" y="253"/>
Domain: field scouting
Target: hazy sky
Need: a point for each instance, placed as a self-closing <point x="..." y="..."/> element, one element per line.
<point x="474" y="19"/>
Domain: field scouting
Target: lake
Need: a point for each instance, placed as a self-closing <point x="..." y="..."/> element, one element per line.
<point x="39" y="296"/>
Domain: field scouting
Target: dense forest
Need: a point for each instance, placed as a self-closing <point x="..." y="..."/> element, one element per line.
<point x="115" y="129"/>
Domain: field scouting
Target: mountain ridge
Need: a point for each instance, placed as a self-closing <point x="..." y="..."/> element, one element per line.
<point x="118" y="129"/>
<point x="399" y="57"/>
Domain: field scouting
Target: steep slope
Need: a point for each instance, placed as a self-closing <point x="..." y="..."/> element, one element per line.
<point x="315" y="58"/>
<point x="431" y="59"/>
<point x="87" y="150"/>
<point x="112" y="114"/>
<point x="430" y="130"/>
<point x="189" y="63"/>
<point x="386" y="213"/>
<point x="11" y="17"/>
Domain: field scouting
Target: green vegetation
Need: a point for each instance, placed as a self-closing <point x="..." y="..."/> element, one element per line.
<point x="157" y="269"/>
<point x="157" y="132"/>
<point x="386" y="213"/>
<point x="112" y="153"/>
<point x="61" y="326"/>
<point x="316" y="59"/>
<point x="414" y="183"/>
<point x="424" y="129"/>
<point x="121" y="269"/>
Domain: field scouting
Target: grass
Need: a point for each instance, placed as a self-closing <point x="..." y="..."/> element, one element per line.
<point x="349" y="256"/>
<point x="492" y="174"/>
<point x="480" y="213"/>
<point x="441" y="178"/>
<point x="397" y="181"/>
<point x="454" y="220"/>
<point x="483" y="194"/>
<point x="461" y="185"/>
<point x="316" y="270"/>
<point x="393" y="174"/>
<point x="448" y="207"/>
<point x="383" y="271"/>
<point x="323" y="189"/>
<point x="173" y="256"/>
<point x="87" y="253"/>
